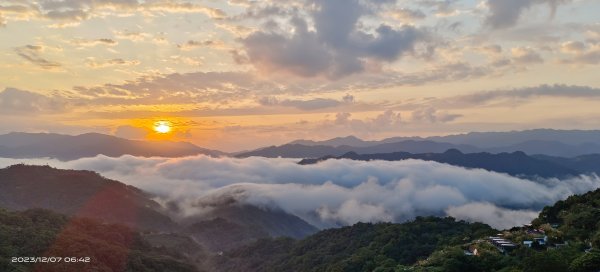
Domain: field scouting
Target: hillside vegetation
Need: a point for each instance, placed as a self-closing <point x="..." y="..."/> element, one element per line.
<point x="571" y="227"/>
<point x="361" y="247"/>
<point x="41" y="233"/>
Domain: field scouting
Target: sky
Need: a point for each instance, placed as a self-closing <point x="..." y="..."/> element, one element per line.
<point x="241" y="74"/>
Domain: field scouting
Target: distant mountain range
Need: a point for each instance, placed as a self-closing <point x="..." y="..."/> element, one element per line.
<point x="584" y="164"/>
<point x="560" y="143"/>
<point x="315" y="151"/>
<point x="479" y="139"/>
<point x="556" y="143"/>
<point x="67" y="147"/>
<point x="516" y="164"/>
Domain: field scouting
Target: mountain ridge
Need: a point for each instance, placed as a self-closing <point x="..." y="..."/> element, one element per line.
<point x="82" y="194"/>
<point x="312" y="149"/>
<point x="516" y="164"/>
<point x="479" y="139"/>
<point x="70" y="147"/>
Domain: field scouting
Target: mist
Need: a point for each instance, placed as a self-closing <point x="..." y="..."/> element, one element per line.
<point x="336" y="192"/>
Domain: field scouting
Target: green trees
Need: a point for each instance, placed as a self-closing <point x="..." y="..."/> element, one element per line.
<point x="545" y="261"/>
<point x="578" y="217"/>
<point x="589" y="262"/>
<point x="41" y="233"/>
<point x="362" y="247"/>
<point x="435" y="245"/>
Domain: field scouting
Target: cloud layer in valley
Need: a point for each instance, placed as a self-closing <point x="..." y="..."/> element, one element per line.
<point x="337" y="192"/>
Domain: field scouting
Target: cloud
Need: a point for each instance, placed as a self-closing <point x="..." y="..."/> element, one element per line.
<point x="572" y="47"/>
<point x="506" y="13"/>
<point x="15" y="101"/>
<point x="520" y="95"/>
<point x="93" y="63"/>
<point x="442" y="7"/>
<point x="386" y="121"/>
<point x="337" y="192"/>
<point x="307" y="105"/>
<point x="235" y="86"/>
<point x="431" y="115"/>
<point x="406" y="15"/>
<point x="31" y="53"/>
<point x="71" y="12"/>
<point x="183" y="7"/>
<point x="335" y="48"/>
<point x="492" y="215"/>
<point x="191" y="44"/>
<point x="525" y="55"/>
<point x="94" y="42"/>
<point x="255" y="12"/>
<point x="134" y="36"/>
<point x="181" y="88"/>
<point x="580" y="53"/>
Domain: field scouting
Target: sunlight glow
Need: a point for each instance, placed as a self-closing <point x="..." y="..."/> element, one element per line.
<point x="162" y="127"/>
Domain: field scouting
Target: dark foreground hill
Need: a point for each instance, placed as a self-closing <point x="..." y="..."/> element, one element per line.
<point x="515" y="164"/>
<point x="81" y="194"/>
<point x="67" y="147"/>
<point x="88" y="245"/>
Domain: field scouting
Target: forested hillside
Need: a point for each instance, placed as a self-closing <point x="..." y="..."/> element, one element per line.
<point x="567" y="233"/>
<point x="88" y="245"/>
<point x="577" y="218"/>
<point x="362" y="247"/>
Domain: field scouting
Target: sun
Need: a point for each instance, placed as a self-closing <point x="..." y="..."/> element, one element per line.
<point x="162" y="127"/>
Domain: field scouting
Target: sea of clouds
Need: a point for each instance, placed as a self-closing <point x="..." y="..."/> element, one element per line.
<point x="336" y="192"/>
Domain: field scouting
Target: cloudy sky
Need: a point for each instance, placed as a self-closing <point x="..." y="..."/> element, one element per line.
<point x="240" y="74"/>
